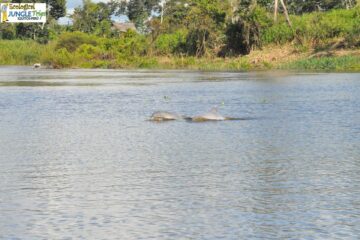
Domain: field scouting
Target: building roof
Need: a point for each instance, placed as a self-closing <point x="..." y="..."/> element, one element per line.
<point x="123" y="27"/>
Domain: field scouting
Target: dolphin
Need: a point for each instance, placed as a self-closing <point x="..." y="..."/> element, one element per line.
<point x="164" y="116"/>
<point x="213" y="115"/>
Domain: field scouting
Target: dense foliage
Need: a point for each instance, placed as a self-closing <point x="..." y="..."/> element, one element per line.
<point x="186" y="28"/>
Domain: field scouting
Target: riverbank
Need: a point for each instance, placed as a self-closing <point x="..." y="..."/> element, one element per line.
<point x="325" y="41"/>
<point x="284" y="57"/>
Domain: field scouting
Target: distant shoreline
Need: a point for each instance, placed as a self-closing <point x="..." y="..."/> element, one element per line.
<point x="273" y="70"/>
<point x="271" y="57"/>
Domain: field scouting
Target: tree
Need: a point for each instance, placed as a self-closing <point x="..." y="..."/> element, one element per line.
<point x="276" y="6"/>
<point x="174" y="13"/>
<point x="57" y="8"/>
<point x="206" y="22"/>
<point x="93" y="17"/>
<point x="7" y="31"/>
<point x="243" y="34"/>
<point x="138" y="11"/>
<point x="103" y="28"/>
<point x="300" y="6"/>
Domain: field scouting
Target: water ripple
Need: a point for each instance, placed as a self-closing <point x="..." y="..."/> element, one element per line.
<point x="79" y="160"/>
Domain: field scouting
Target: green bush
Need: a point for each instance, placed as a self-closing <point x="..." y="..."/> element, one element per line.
<point x="326" y="63"/>
<point x="279" y="33"/>
<point x="103" y="29"/>
<point x="95" y="64"/>
<point x="170" y="43"/>
<point x="88" y="52"/>
<point x="72" y="40"/>
<point x="147" y="63"/>
<point x="7" y="31"/>
<point x="315" y="27"/>
<point x="132" y="44"/>
<point x="245" y="34"/>
<point x="19" y="52"/>
<point x="62" y="58"/>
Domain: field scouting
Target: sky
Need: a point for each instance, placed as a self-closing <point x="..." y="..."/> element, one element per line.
<point x="72" y="4"/>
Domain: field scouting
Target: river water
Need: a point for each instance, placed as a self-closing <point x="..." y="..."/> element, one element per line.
<point x="79" y="160"/>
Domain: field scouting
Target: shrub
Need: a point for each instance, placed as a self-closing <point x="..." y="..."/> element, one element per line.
<point x="326" y="63"/>
<point x="72" y="40"/>
<point x="7" y="31"/>
<point x="278" y="33"/>
<point x="147" y="63"/>
<point x="88" y="52"/>
<point x="20" y="52"/>
<point x="62" y="58"/>
<point x="245" y="34"/>
<point x="170" y="43"/>
<point x="132" y="44"/>
<point x="315" y="27"/>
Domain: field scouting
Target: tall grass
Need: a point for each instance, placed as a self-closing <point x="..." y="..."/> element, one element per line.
<point x="315" y="27"/>
<point x="19" y="52"/>
<point x="348" y="63"/>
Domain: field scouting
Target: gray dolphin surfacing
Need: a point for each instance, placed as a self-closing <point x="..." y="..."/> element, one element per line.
<point x="213" y="115"/>
<point x="164" y="116"/>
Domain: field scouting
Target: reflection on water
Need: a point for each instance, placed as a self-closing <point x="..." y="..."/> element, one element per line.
<point x="79" y="160"/>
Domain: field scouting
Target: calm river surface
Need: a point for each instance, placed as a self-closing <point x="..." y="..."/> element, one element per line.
<point x="79" y="160"/>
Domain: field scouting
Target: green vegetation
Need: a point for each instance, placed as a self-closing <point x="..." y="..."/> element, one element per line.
<point x="316" y="28"/>
<point x="349" y="63"/>
<point x="19" y="52"/>
<point x="197" y="34"/>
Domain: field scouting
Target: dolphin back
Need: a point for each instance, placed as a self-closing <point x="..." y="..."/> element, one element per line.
<point x="213" y="115"/>
<point x="164" y="116"/>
